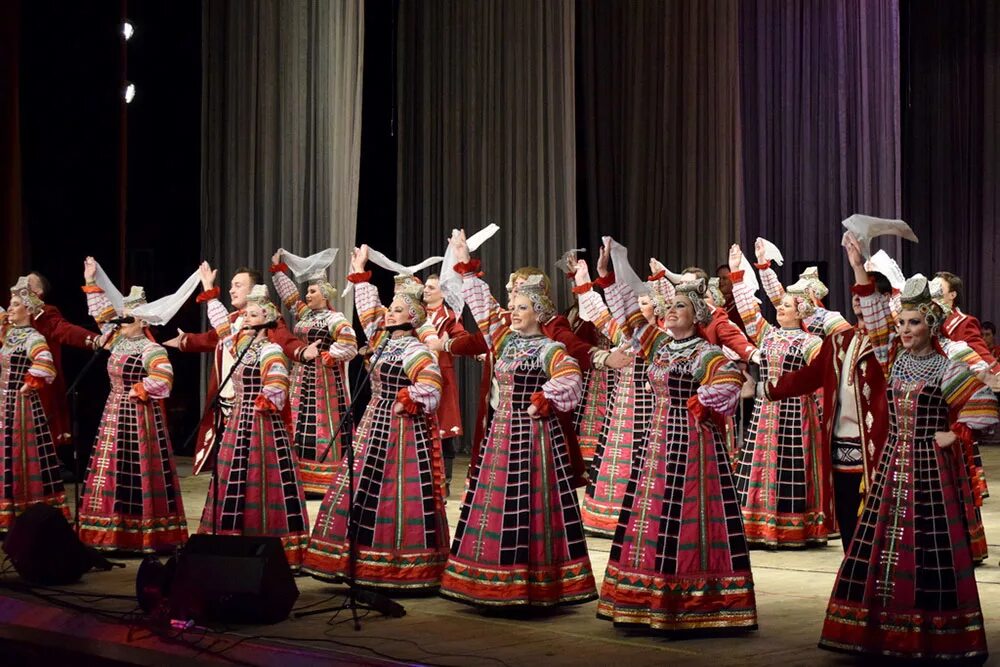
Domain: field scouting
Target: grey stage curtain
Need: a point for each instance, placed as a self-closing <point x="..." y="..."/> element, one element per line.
<point x="486" y="134"/>
<point x="951" y="144"/>
<point x="821" y="125"/>
<point x="281" y="130"/>
<point x="659" y="139"/>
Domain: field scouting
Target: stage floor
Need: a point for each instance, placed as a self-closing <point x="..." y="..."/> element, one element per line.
<point x="792" y="591"/>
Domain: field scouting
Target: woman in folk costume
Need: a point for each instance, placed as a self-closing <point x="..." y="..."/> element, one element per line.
<point x="780" y="476"/>
<point x="519" y="540"/>
<point x="679" y="561"/>
<point x="906" y="587"/>
<point x="400" y="531"/>
<point x="630" y="407"/>
<point x="29" y="467"/>
<point x="319" y="392"/>
<point x="598" y="380"/>
<point x="820" y="322"/>
<point x="256" y="490"/>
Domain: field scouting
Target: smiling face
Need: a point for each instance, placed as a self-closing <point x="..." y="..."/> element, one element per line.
<point x="17" y="312"/>
<point x="788" y="312"/>
<point x="432" y="292"/>
<point x="679" y="319"/>
<point x="398" y="313"/>
<point x="913" y="331"/>
<point x="254" y="315"/>
<point x="239" y="288"/>
<point x="523" y="317"/>
<point x="315" y="298"/>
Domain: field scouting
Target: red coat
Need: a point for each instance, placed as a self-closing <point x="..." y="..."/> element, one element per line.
<point x="58" y="332"/>
<point x="721" y="331"/>
<point x="208" y="341"/>
<point x="961" y="327"/>
<point x="825" y="372"/>
<point x="449" y="413"/>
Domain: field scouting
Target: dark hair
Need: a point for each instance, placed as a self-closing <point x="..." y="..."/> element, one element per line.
<point x="990" y="326"/>
<point x="720" y="267"/>
<point x="256" y="278"/>
<point x="954" y="284"/>
<point x="46" y="285"/>
<point x="433" y="276"/>
<point x="882" y="283"/>
<point x="698" y="272"/>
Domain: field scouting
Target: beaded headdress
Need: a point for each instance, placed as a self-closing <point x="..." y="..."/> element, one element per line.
<point x="916" y="295"/>
<point x="695" y="290"/>
<point x="259" y="295"/>
<point x="411" y="292"/>
<point x="809" y="280"/>
<point x="715" y="290"/>
<point x="27" y="297"/>
<point x="536" y="290"/>
<point x="136" y="297"/>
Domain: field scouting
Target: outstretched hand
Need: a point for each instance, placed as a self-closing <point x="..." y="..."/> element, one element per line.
<point x="359" y="259"/>
<point x="89" y="269"/>
<point x="208" y="275"/>
<point x="735" y="257"/>
<point x="582" y="274"/>
<point x="460" y="246"/>
<point x="604" y="259"/>
<point x="760" y="250"/>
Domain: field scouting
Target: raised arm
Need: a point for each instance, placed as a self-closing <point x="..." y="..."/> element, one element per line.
<point x="286" y="288"/>
<point x="592" y="306"/>
<point x="746" y="303"/>
<point x="768" y="278"/>
<point x="624" y="308"/>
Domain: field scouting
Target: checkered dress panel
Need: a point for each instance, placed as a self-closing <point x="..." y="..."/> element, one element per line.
<point x="401" y="532"/>
<point x="679" y="559"/>
<point x="318" y="398"/>
<point x="259" y="491"/>
<point x="779" y="473"/>
<point x="631" y="406"/>
<point x="591" y="414"/>
<point x="908" y="571"/>
<point x="132" y="499"/>
<point x="520" y="539"/>
<point x="29" y="467"/>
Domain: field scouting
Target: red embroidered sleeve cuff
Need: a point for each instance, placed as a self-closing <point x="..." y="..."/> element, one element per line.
<point x="91" y="289"/>
<point x="264" y="404"/>
<point x="659" y="275"/>
<point x="700" y="412"/>
<point x="140" y="391"/>
<point x="541" y="404"/>
<point x="736" y="276"/>
<point x="583" y="289"/>
<point x="863" y="290"/>
<point x="360" y="277"/>
<point x="279" y="268"/>
<point x="411" y="406"/>
<point x="605" y="281"/>
<point x="208" y="295"/>
<point x="468" y="268"/>
<point x="761" y="266"/>
<point x="34" y="381"/>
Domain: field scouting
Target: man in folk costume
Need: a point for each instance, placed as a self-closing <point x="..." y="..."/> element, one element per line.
<point x="49" y="322"/>
<point x="450" y="331"/>
<point x="854" y="405"/>
<point x="242" y="283"/>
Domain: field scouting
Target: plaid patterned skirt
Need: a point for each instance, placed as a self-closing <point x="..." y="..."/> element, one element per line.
<point x="779" y="475"/>
<point x="29" y="468"/>
<point x="519" y="541"/>
<point x="679" y="561"/>
<point x="132" y="499"/>
<point x="318" y="400"/>
<point x="625" y="428"/>
<point x="906" y="587"/>
<point x="591" y="413"/>
<point x="401" y="531"/>
<point x="257" y="483"/>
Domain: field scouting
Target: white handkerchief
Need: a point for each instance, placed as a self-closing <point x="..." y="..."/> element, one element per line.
<point x="866" y="227"/>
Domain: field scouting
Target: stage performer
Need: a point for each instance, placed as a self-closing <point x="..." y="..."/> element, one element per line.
<point x="448" y="325"/>
<point x="679" y="561"/>
<point x="519" y="540"/>
<point x="243" y="281"/>
<point x="319" y="391"/>
<point x="256" y="490"/>
<point x="400" y="532"/>
<point x="906" y="587"/>
<point x="132" y="498"/>
<point x="29" y="469"/>
<point x="781" y="470"/>
<point x="854" y="406"/>
<point x="630" y="407"/>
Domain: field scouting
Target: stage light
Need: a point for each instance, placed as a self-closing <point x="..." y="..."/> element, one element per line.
<point x="129" y="93"/>
<point x="127" y="30"/>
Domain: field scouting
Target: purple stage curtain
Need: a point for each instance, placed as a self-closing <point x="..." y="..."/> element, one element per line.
<point x="951" y="144"/>
<point x="821" y="126"/>
<point x="658" y="136"/>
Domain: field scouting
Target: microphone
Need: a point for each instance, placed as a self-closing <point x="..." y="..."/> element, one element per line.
<point x="262" y="326"/>
<point x="405" y="326"/>
<point x="128" y="319"/>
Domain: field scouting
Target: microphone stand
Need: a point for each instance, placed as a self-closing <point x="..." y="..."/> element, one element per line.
<point x="217" y="425"/>
<point x="74" y="394"/>
<point x="368" y="599"/>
